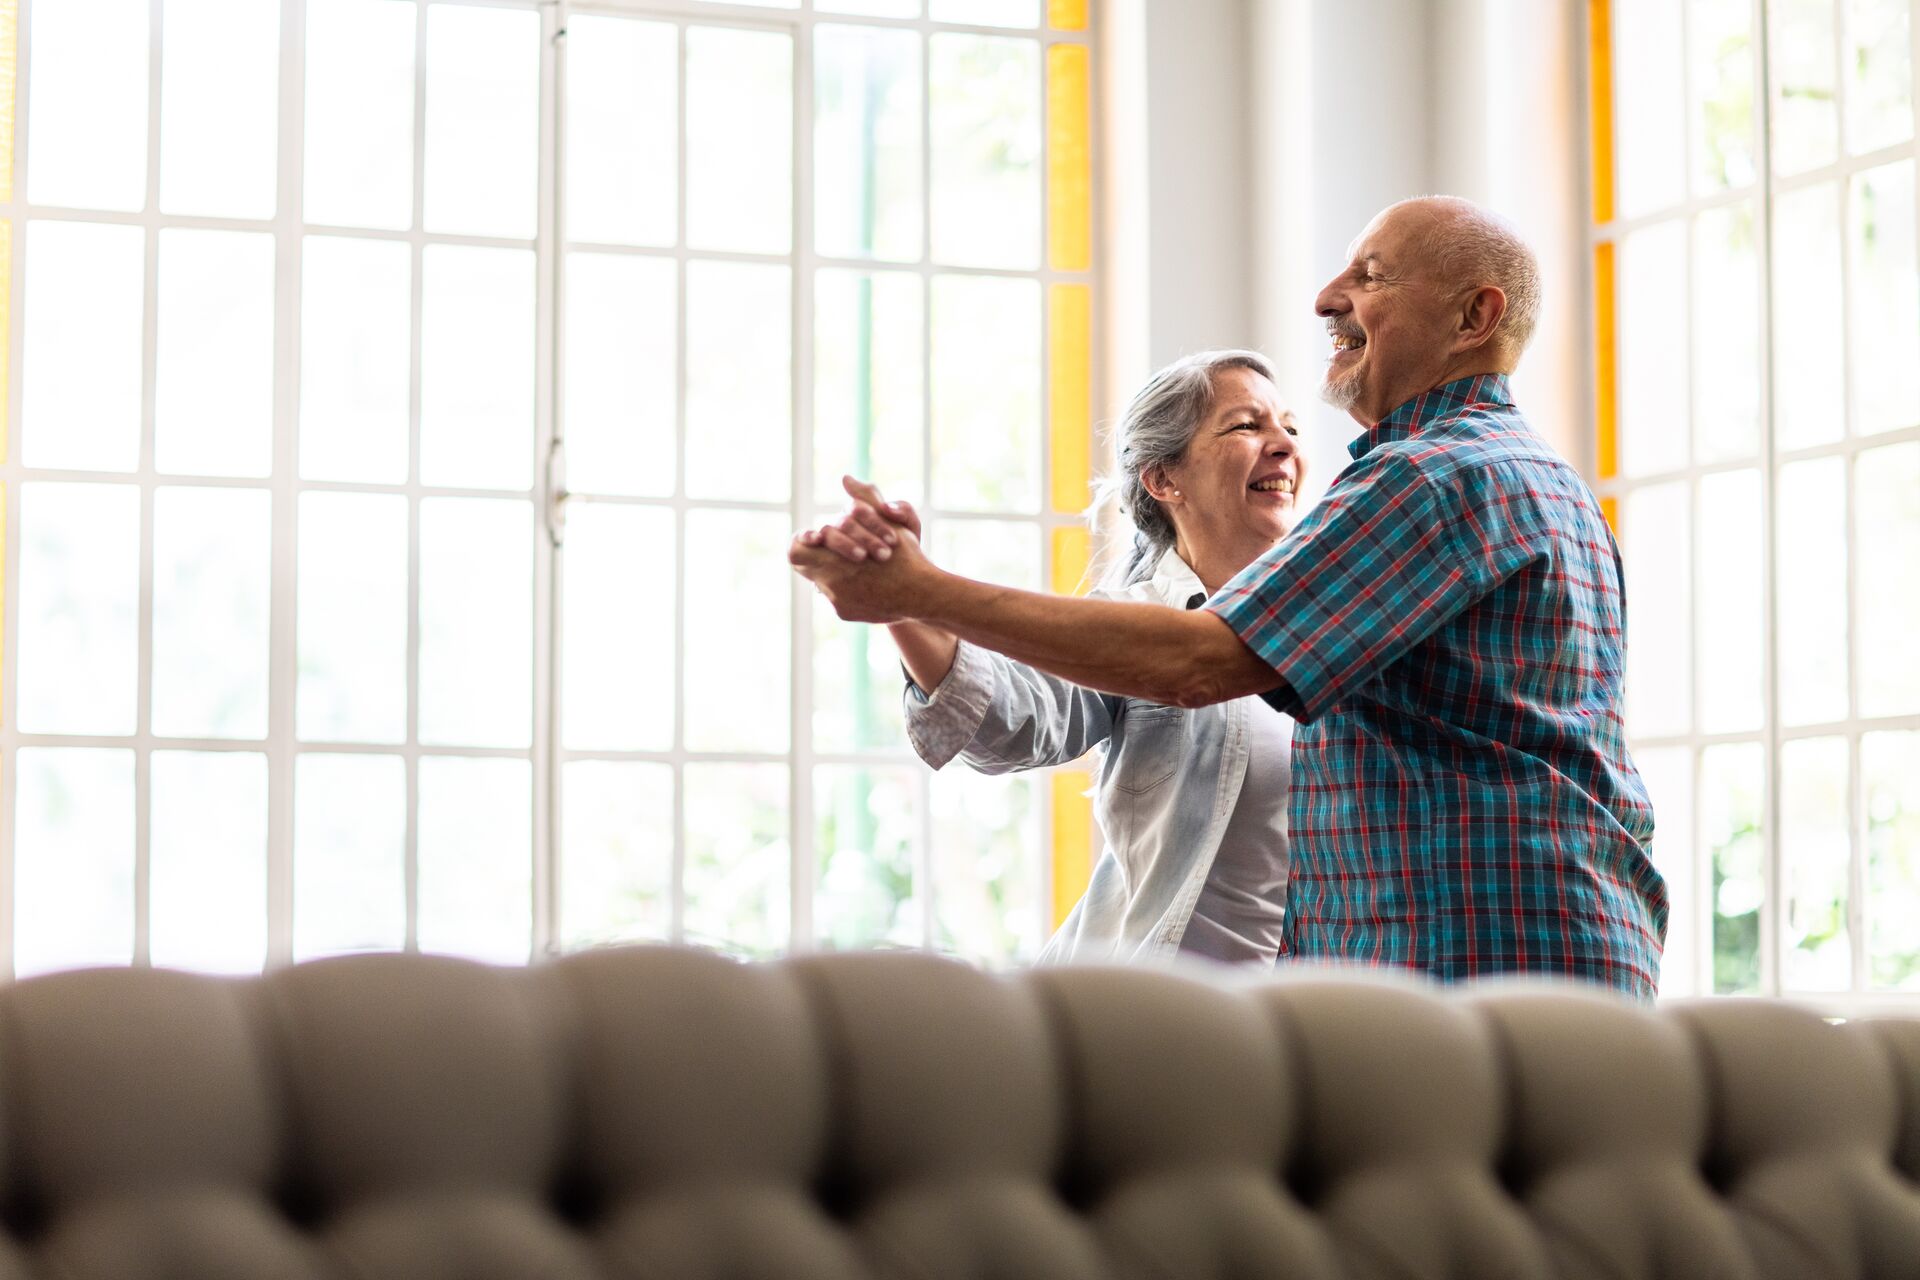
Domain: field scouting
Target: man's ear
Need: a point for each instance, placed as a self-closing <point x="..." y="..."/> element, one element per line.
<point x="1480" y="313"/>
<point x="1164" y="491"/>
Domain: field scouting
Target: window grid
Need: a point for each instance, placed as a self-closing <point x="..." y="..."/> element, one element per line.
<point x="285" y="485"/>
<point x="1610" y="227"/>
<point x="805" y="261"/>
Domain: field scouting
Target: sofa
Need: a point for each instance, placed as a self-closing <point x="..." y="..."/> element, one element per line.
<point x="673" y="1115"/>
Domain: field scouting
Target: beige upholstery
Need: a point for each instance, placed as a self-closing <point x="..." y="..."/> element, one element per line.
<point x="670" y="1115"/>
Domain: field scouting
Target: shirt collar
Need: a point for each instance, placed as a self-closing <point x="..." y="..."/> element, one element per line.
<point x="1441" y="402"/>
<point x="1173" y="581"/>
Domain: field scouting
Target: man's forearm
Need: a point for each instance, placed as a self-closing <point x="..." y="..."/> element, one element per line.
<point x="1183" y="658"/>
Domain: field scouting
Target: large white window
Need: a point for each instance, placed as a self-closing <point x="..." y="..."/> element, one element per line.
<point x="412" y="402"/>
<point x="1759" y="447"/>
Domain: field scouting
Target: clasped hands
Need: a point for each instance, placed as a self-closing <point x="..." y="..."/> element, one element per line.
<point x="867" y="563"/>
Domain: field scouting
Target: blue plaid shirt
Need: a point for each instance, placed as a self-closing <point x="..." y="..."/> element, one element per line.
<point x="1449" y="624"/>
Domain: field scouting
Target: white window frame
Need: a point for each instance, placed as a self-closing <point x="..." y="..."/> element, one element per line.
<point x="546" y="495"/>
<point x="1697" y="897"/>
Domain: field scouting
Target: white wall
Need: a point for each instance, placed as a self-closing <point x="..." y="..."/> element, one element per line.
<point x="1259" y="136"/>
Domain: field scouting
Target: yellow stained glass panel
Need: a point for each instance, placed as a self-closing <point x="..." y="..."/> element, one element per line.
<point x="1071" y="554"/>
<point x="1606" y="438"/>
<point x="1069" y="159"/>
<point x="1070" y="396"/>
<point x="1072" y="839"/>
<point x="1067" y="15"/>
<point x="1600" y="104"/>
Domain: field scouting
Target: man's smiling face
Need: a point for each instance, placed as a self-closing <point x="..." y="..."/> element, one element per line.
<point x="1390" y="321"/>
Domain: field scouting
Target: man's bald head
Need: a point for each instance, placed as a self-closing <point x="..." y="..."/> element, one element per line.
<point x="1463" y="247"/>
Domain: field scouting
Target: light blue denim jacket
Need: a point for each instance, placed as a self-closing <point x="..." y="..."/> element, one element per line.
<point x="1168" y="780"/>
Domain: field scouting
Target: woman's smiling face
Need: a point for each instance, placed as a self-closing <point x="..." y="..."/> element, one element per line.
<point x="1234" y="492"/>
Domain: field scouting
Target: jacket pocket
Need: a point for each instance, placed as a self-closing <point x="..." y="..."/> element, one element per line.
<point x="1151" y="743"/>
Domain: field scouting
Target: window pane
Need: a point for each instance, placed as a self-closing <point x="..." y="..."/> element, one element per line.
<point x="1890" y="763"/>
<point x="621" y="335"/>
<point x="1653" y="362"/>
<point x="87" y="105"/>
<point x="1648" y="106"/>
<point x="986" y="867"/>
<point x="1812" y="515"/>
<point x="1806" y="306"/>
<point x="986" y="430"/>
<point x="866" y="143"/>
<point x="622" y="136"/>
<point x="212" y="595"/>
<point x="856" y="685"/>
<point x="359" y="113"/>
<point x="213" y="377"/>
<point x="1806" y="121"/>
<point x="1721" y="34"/>
<point x="1879" y="61"/>
<point x="864" y="892"/>
<point x="219" y="107"/>
<point x="738" y="596"/>
<point x="81" y="354"/>
<point x="868" y="383"/>
<point x="738" y="857"/>
<point x="1816" y="954"/>
<point x="476" y="367"/>
<point x="1668" y="775"/>
<point x="1726" y="336"/>
<point x="1887" y="494"/>
<point x="349" y="854"/>
<point x="73" y="859"/>
<point x="985" y="103"/>
<point x="356" y="324"/>
<point x="483" y="120"/>
<point x="476" y="622"/>
<point x="1883" y="332"/>
<point x="1732" y="788"/>
<point x="352" y="607"/>
<point x="739" y="140"/>
<point x="999" y="551"/>
<point x="616" y="861"/>
<point x="1654" y="524"/>
<point x="79" y="590"/>
<point x="617" y="629"/>
<point x="987" y="13"/>
<point x="209" y="854"/>
<point x="739" y="381"/>
<point x="476" y="858"/>
<point x="871" y="8"/>
<point x="1731" y="625"/>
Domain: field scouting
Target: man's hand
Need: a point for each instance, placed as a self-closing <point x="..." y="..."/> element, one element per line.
<point x="870" y="568"/>
<point x="868" y="529"/>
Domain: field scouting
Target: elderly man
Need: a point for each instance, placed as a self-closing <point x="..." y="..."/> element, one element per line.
<point x="1446" y="627"/>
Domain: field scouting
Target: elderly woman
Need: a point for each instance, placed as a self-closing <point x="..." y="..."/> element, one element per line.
<point x="1192" y="803"/>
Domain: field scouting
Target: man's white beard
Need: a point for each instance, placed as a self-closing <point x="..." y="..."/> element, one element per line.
<point x="1341" y="393"/>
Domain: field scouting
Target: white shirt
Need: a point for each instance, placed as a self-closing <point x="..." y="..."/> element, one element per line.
<point x="1171" y="782"/>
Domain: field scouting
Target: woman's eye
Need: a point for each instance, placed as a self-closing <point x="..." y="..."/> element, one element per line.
<point x="1293" y="431"/>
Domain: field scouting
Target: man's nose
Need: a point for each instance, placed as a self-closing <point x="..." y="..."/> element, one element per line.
<point x="1331" y="302"/>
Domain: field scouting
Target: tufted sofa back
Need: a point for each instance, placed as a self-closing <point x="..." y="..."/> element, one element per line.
<point x="671" y="1115"/>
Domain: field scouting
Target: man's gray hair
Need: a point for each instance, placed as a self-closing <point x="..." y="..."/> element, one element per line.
<point x="1467" y="247"/>
<point x="1152" y="435"/>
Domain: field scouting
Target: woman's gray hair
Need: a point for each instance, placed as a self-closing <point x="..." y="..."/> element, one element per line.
<point x="1153" y="435"/>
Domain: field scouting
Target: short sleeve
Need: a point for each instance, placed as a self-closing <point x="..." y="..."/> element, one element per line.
<point x="1385" y="559"/>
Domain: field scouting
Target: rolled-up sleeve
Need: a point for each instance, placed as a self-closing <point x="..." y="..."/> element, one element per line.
<point x="1386" y="559"/>
<point x="998" y="715"/>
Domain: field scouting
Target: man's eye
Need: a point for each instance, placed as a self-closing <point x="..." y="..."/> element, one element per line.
<point x="1293" y="431"/>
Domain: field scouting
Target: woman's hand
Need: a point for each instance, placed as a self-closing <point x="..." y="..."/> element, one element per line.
<point x="868" y="529"/>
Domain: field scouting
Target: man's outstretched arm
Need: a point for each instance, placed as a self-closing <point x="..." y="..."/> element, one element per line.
<point x="1182" y="658"/>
